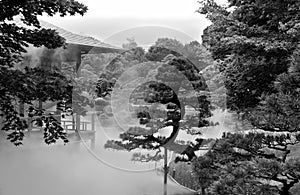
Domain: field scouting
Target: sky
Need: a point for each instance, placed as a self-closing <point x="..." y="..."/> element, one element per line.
<point x="106" y="18"/>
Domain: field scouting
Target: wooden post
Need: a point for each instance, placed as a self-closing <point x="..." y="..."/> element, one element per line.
<point x="29" y="124"/>
<point x="93" y="121"/>
<point x="73" y="122"/>
<point x="58" y="114"/>
<point x="93" y="140"/>
<point x="78" y="69"/>
<point x="165" y="171"/>
<point x="77" y="129"/>
<point x="78" y="62"/>
<point x="41" y="108"/>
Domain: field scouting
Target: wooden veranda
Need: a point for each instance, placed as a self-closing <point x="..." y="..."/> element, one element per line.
<point x="76" y="46"/>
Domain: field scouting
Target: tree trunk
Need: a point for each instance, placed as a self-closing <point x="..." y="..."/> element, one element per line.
<point x="40" y="104"/>
<point x="22" y="109"/>
<point x="203" y="191"/>
<point x="285" y="190"/>
<point x="165" y="171"/>
<point x="182" y="109"/>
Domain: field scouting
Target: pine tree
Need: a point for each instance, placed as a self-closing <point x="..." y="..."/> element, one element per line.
<point x="264" y="156"/>
<point x="256" y="43"/>
<point x="176" y="84"/>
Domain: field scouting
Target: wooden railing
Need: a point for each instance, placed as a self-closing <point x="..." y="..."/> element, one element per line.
<point x="69" y="123"/>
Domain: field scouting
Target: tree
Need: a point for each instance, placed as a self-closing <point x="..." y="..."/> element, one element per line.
<point x="252" y="163"/>
<point x="31" y="84"/>
<point x="193" y="51"/>
<point x="254" y="40"/>
<point x="131" y="44"/>
<point x="98" y="61"/>
<point x="177" y="83"/>
<point x="171" y="44"/>
<point x="197" y="54"/>
<point x="205" y="172"/>
<point x="124" y="61"/>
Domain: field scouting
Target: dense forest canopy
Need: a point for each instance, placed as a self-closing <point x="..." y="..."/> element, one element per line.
<point x="256" y="46"/>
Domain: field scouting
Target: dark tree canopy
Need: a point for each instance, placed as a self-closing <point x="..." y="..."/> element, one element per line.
<point x="30" y="84"/>
<point x="193" y="51"/>
<point x="256" y="45"/>
<point x="254" y="41"/>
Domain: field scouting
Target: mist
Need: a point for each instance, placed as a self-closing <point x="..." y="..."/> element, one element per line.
<point x="73" y="169"/>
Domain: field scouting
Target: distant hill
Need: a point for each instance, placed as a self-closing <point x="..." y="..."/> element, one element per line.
<point x="145" y="36"/>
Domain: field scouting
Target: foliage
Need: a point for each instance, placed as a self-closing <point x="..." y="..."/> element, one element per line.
<point x="124" y="61"/>
<point x="98" y="61"/>
<point x="193" y="51"/>
<point x="104" y="85"/>
<point x="255" y="46"/>
<point x="146" y="157"/>
<point x="182" y="172"/>
<point x="159" y="53"/>
<point x="264" y="155"/>
<point x="171" y="44"/>
<point x="205" y="173"/>
<point x="32" y="84"/>
<point x="197" y="54"/>
<point x="176" y="84"/>
<point x="130" y="45"/>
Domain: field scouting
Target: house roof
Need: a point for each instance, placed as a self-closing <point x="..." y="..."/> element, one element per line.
<point x="76" y="39"/>
<point x="86" y="42"/>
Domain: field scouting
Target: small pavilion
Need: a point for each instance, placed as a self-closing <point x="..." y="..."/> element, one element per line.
<point x="76" y="47"/>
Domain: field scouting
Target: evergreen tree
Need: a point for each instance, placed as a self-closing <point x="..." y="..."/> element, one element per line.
<point x="177" y="83"/>
<point x="256" y="42"/>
